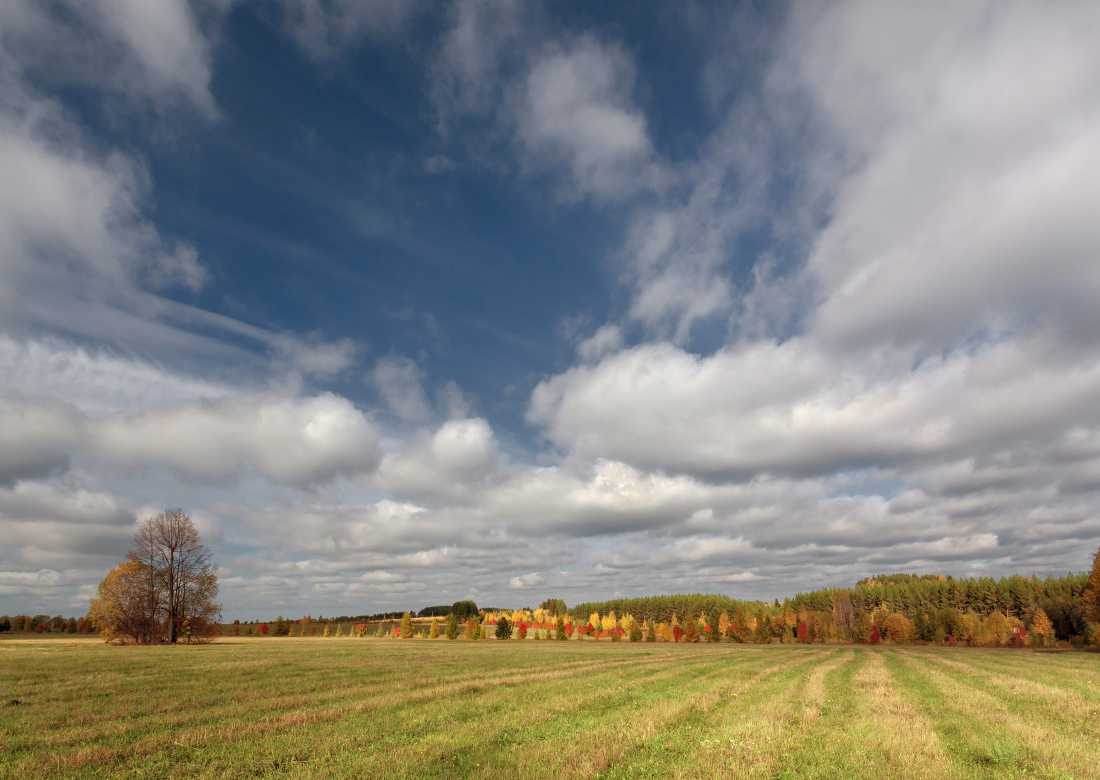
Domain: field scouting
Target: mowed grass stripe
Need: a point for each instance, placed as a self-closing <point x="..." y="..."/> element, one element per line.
<point x="533" y="710"/>
<point x="254" y="724"/>
<point x="870" y="730"/>
<point x="352" y="707"/>
<point x="1067" y="673"/>
<point x="1060" y="707"/>
<point x="681" y="744"/>
<point x="984" y="735"/>
<point x="277" y="707"/>
<point x="754" y="734"/>
<point x="597" y="723"/>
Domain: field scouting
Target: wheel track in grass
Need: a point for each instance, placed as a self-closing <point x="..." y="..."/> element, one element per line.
<point x="181" y="731"/>
<point x="1074" y="711"/>
<point x="172" y="723"/>
<point x="787" y="720"/>
<point x="1081" y="681"/>
<point x="421" y="754"/>
<point x="499" y="736"/>
<point x="985" y="735"/>
<point x="604" y="748"/>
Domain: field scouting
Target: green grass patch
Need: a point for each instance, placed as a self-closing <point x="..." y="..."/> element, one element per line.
<point x="343" y="708"/>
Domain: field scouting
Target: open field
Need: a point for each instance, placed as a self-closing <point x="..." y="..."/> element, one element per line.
<point x="329" y="708"/>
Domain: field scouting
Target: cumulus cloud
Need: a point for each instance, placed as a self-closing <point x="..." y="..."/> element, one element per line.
<point x="153" y="50"/>
<point x="792" y="408"/>
<point x="456" y="463"/>
<point x="398" y="382"/>
<point x="577" y="112"/>
<point x="36" y="437"/>
<point x="972" y="207"/>
<point x="296" y="441"/>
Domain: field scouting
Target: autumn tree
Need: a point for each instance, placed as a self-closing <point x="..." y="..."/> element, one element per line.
<point x="120" y="608"/>
<point x="181" y="581"/>
<point x="433" y="631"/>
<point x="452" y="626"/>
<point x="406" y="626"/>
<point x="1042" y="630"/>
<point x="504" y="628"/>
<point x="1091" y="594"/>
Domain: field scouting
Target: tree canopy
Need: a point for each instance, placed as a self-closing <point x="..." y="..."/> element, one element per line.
<point x="165" y="591"/>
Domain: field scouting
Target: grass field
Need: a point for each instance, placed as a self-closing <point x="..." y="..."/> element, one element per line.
<point x="328" y="708"/>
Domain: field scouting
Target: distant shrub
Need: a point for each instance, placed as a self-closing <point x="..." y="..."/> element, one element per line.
<point x="522" y="631"/>
<point x="559" y="628"/>
<point x="406" y="626"/>
<point x="504" y="628"/>
<point x="328" y="630"/>
<point x="433" y="632"/>
<point x="635" y="633"/>
<point x="472" y="628"/>
<point x="452" y="626"/>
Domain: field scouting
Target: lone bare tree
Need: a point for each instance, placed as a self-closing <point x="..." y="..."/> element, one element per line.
<point x="184" y="584"/>
<point x="165" y="590"/>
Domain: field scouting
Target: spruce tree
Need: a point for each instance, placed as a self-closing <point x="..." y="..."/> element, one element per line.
<point x="504" y="628"/>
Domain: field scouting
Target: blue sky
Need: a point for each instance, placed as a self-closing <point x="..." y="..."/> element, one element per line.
<point x="409" y="302"/>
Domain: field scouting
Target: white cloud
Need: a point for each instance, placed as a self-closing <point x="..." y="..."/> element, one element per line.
<point x="398" y="382"/>
<point x="152" y="50"/>
<point x="793" y="408"/>
<point x="973" y="206"/>
<point x="456" y="463"/>
<point x="296" y="441"/>
<point x="94" y="381"/>
<point x="577" y="111"/>
<point x="608" y="339"/>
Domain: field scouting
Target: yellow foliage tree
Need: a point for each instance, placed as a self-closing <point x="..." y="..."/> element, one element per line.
<point x="723" y="622"/>
<point x="406" y="626"/>
<point x="1091" y="595"/>
<point x="997" y="630"/>
<point x="897" y="627"/>
<point x="1042" y="630"/>
<point x="472" y="628"/>
<point x="119" y="608"/>
<point x="610" y="622"/>
<point x="594" y="620"/>
<point x="433" y="632"/>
